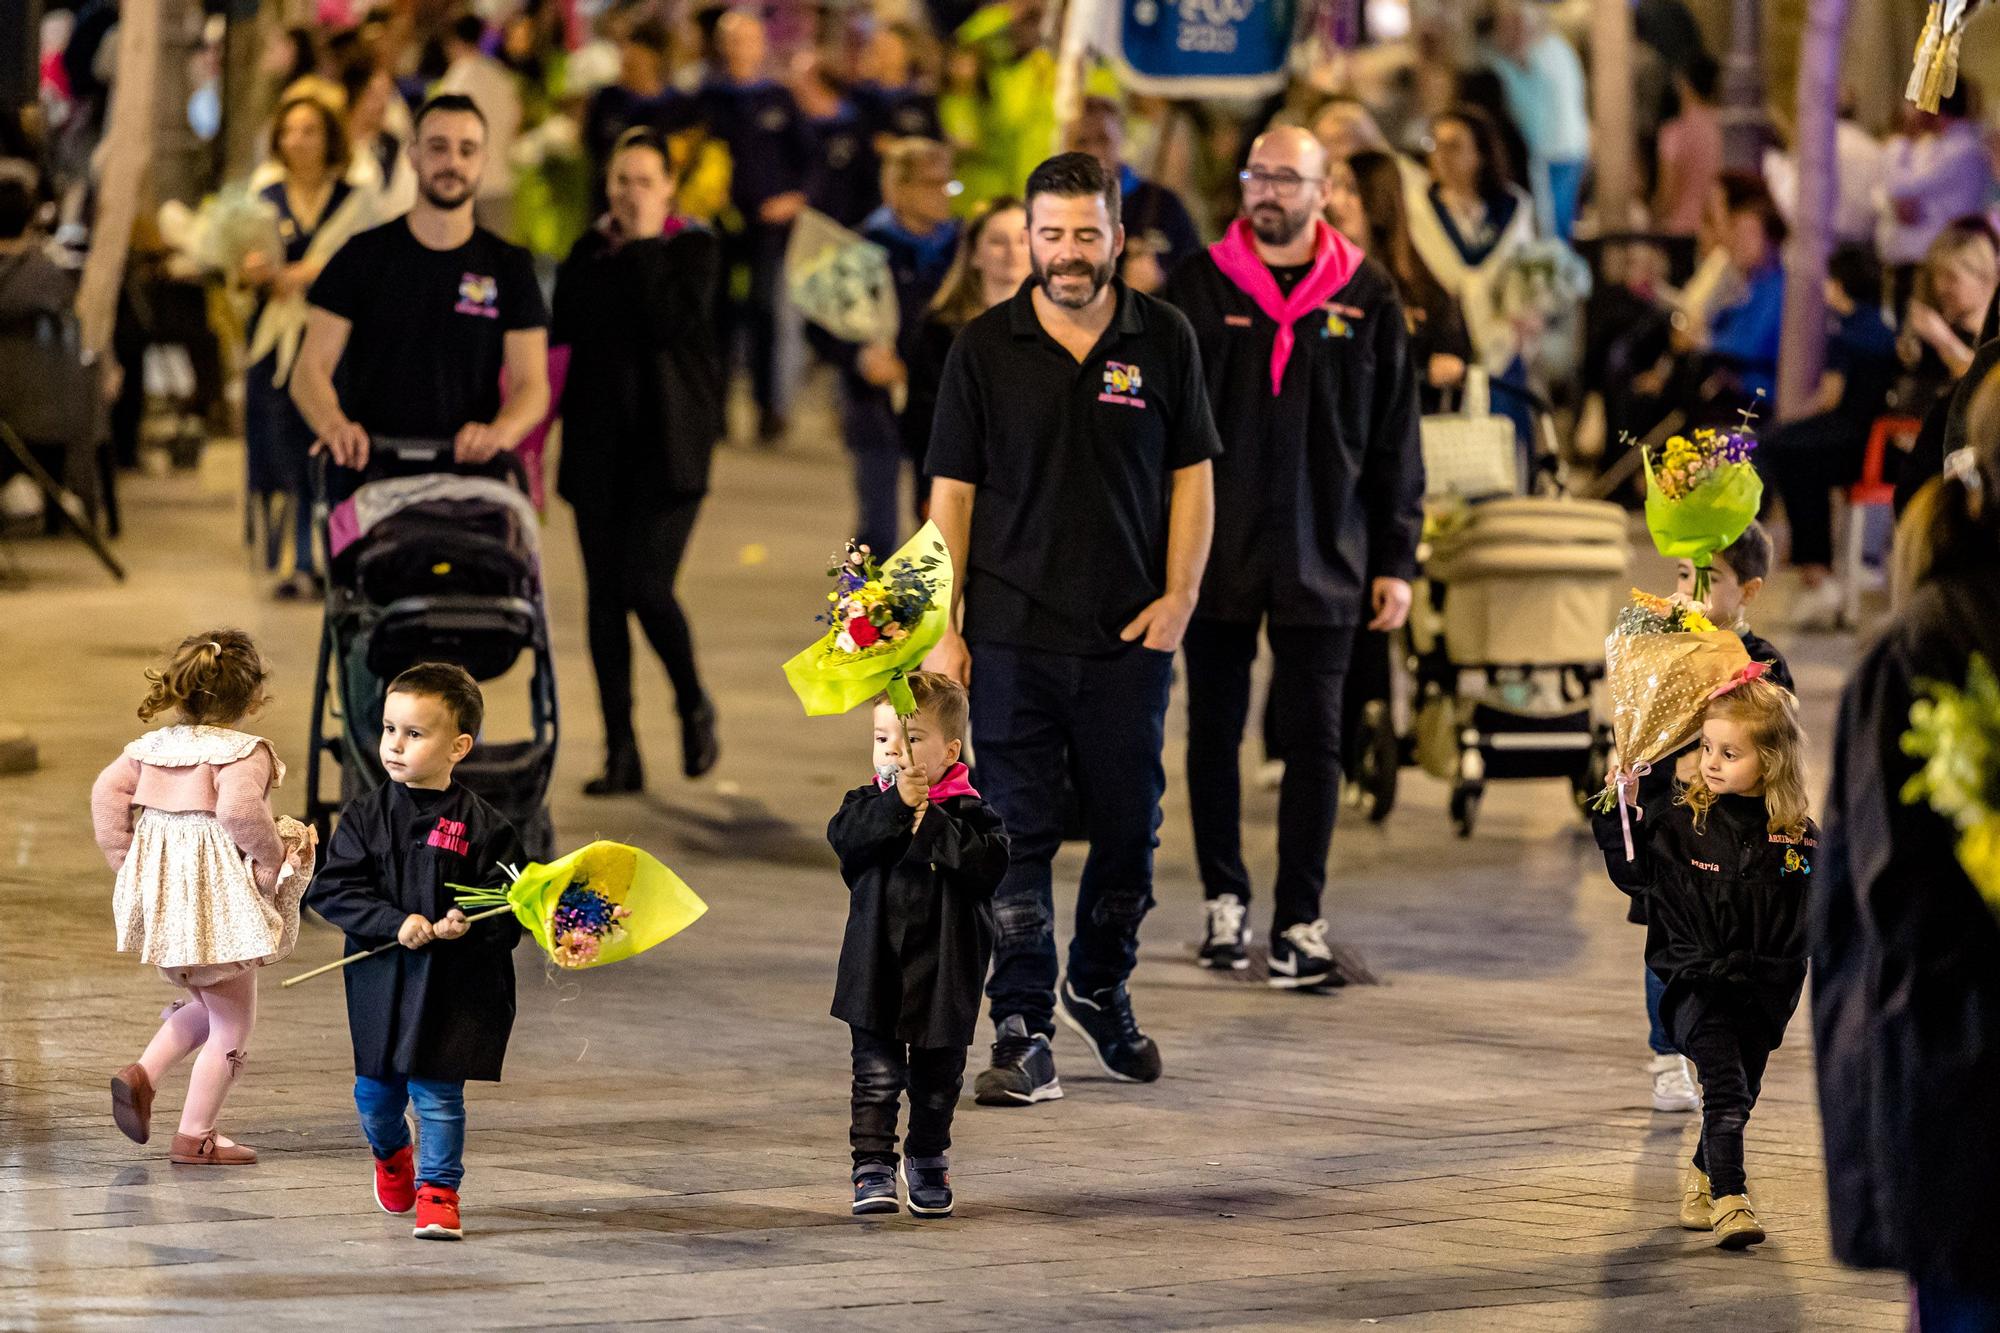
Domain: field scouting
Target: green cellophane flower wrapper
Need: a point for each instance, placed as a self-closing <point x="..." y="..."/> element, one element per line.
<point x="660" y="902"/>
<point x="1708" y="518"/>
<point x="830" y="681"/>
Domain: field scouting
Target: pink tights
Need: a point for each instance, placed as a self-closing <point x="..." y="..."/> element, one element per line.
<point x="216" y="1021"/>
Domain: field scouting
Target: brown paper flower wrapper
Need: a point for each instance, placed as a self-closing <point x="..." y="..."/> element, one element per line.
<point x="1659" y="686"/>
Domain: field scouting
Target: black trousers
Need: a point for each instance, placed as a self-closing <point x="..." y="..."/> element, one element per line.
<point x="1804" y="460"/>
<point x="884" y="1069"/>
<point x="1730" y="1061"/>
<point x="759" y="248"/>
<point x="631" y="558"/>
<point x="1303" y="719"/>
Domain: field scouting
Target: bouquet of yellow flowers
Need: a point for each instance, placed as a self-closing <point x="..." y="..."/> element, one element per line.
<point x="1701" y="493"/>
<point x="1956" y="732"/>
<point x="1662" y="661"/>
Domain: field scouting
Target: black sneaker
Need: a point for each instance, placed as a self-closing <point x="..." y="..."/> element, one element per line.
<point x="1222" y="945"/>
<point x="1301" y="959"/>
<point x="929" y="1182"/>
<point x="1024" y="1069"/>
<point x="1105" y="1021"/>
<point x="875" y="1188"/>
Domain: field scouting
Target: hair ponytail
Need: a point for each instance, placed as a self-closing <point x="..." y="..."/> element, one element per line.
<point x="215" y="677"/>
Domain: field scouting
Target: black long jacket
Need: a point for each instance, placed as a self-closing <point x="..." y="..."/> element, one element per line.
<point x="1906" y="964"/>
<point x="1725" y="913"/>
<point x="443" y="1011"/>
<point x="919" y="914"/>
<point x="1656" y="790"/>
<point x="642" y="409"/>
<point x="1319" y="489"/>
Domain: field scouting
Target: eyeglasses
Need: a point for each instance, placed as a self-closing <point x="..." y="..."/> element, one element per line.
<point x="1283" y="184"/>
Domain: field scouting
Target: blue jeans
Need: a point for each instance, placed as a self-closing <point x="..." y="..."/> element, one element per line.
<point x="1034" y="714"/>
<point x="875" y="442"/>
<point x="440" y="1107"/>
<point x="1657" y="1038"/>
<point x="1945" y="1307"/>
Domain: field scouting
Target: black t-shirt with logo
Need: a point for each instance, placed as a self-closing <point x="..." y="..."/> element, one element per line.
<point x="1074" y="463"/>
<point x="427" y="343"/>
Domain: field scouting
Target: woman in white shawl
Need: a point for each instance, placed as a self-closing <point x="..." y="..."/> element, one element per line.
<point x="316" y="211"/>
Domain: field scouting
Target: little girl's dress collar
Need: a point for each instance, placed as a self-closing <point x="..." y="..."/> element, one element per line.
<point x="185" y="746"/>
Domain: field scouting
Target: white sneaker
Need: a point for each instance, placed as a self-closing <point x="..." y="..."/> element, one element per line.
<point x="1673" y="1084"/>
<point x="1301" y="959"/>
<point x="1222" y="943"/>
<point x="1820" y="608"/>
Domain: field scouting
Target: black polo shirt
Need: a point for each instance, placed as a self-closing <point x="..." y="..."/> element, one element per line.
<point x="1074" y="465"/>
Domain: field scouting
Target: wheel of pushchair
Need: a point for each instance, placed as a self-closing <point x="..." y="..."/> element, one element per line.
<point x="1465" y="807"/>
<point x="1378" y="754"/>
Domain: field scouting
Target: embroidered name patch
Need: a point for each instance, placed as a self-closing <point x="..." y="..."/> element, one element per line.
<point x="1703" y="865"/>
<point x="1122" y="383"/>
<point x="449" y="835"/>
<point x="478" y="295"/>
<point x="1237" y="321"/>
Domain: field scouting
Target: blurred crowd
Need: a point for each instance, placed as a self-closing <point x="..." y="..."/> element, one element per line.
<point x="1462" y="147"/>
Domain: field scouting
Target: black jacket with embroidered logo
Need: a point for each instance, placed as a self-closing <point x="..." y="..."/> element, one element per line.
<point x="919" y="914"/>
<point x="1320" y="488"/>
<point x="443" y="1011"/>
<point x="1074" y="462"/>
<point x="1725" y="911"/>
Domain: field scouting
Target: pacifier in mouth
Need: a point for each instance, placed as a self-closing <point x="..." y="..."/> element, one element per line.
<point x="886" y="774"/>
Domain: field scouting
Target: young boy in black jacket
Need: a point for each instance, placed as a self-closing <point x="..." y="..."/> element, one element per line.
<point x="438" y="1011"/>
<point x="1735" y="578"/>
<point x="921" y="854"/>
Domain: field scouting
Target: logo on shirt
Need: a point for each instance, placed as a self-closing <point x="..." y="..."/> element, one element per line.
<point x="1122" y="383"/>
<point x="1340" y="320"/>
<point x="449" y="835"/>
<point x="478" y="295"/>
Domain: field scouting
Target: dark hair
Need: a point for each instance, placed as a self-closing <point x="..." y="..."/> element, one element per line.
<point x="1379" y="182"/>
<point x="442" y="102"/>
<point x="1703" y="75"/>
<point x="305" y="53"/>
<point x="451" y="685"/>
<point x="1074" y="176"/>
<point x="650" y="34"/>
<point x="643" y="136"/>
<point x="1480" y="89"/>
<point x="469" y="28"/>
<point x="1494" y="169"/>
<point x="1766" y="211"/>
<point x="213" y="677"/>
<point x="1749" y="556"/>
<point x="17" y="207"/>
<point x="1740" y="188"/>
<point x="961" y="297"/>
<point x="329" y="121"/>
<point x="1859" y="274"/>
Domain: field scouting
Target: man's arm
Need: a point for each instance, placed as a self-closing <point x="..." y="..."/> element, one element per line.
<point x="951" y="510"/>
<point x="1190" y="528"/>
<point x="526" y="399"/>
<point x="313" y="392"/>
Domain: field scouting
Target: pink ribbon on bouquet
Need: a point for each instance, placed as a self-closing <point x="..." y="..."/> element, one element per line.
<point x="1627" y="779"/>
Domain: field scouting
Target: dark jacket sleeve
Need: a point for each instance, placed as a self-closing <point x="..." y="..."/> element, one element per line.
<point x="969" y="841"/>
<point x="871" y="827"/>
<point x="681" y="277"/>
<point x="1392" y="468"/>
<point x="1635" y="876"/>
<point x="347" y="890"/>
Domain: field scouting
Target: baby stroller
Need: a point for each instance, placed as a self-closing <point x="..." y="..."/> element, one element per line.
<point x="429" y="565"/>
<point x="1504" y="643"/>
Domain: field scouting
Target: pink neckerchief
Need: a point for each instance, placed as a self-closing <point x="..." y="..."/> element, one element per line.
<point x="1334" y="260"/>
<point x="607" y="226"/>
<point x="955" y="782"/>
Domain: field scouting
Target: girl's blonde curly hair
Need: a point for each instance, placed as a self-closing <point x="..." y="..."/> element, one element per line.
<point x="213" y="678"/>
<point x="1771" y="713"/>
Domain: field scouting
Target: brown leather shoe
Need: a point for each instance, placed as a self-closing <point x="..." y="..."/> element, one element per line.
<point x="208" y="1151"/>
<point x="132" y="1102"/>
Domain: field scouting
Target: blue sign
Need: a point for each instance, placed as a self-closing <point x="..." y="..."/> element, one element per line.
<point x="1204" y="48"/>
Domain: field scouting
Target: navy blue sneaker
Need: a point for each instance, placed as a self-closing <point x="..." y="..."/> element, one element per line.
<point x="874" y="1188"/>
<point x="929" y="1182"/>
<point x="1023" y="1071"/>
<point x="1104" y="1020"/>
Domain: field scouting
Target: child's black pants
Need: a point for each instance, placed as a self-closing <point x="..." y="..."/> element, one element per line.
<point x="1730" y="1061"/>
<point x="883" y="1070"/>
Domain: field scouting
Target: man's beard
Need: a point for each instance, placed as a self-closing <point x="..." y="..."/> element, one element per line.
<point x="1274" y="226"/>
<point x="1075" y="268"/>
<point x="435" y="192"/>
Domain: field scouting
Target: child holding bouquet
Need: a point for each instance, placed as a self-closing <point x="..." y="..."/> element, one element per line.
<point x="208" y="881"/>
<point x="921" y="855"/>
<point x="1736" y="577"/>
<point x="1725" y="871"/>
<point x="438" y="1011"/>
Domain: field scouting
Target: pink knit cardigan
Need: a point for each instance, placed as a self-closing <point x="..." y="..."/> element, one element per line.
<point x="228" y="774"/>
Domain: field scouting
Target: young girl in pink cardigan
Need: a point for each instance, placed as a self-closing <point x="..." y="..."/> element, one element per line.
<point x="208" y="882"/>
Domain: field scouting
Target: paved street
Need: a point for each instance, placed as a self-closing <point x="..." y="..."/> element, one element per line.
<point x="1466" y="1147"/>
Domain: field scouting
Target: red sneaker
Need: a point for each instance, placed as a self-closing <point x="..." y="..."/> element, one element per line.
<point x="396" y="1181"/>
<point x="437" y="1214"/>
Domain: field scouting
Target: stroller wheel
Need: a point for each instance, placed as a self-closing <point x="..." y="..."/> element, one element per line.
<point x="1378" y="755"/>
<point x="1465" y="808"/>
